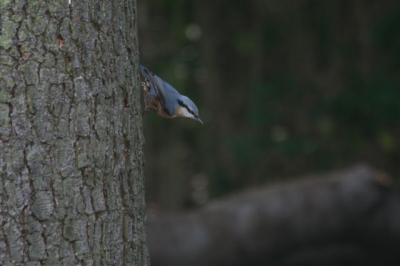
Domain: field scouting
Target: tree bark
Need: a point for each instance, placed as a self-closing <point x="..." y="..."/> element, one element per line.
<point x="71" y="142"/>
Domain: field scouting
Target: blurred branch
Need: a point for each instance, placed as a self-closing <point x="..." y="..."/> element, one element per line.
<point x="345" y="218"/>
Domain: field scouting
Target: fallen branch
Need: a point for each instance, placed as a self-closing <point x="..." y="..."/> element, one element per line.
<point x="346" y="218"/>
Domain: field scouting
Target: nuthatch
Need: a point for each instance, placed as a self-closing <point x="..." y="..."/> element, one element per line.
<point x="164" y="100"/>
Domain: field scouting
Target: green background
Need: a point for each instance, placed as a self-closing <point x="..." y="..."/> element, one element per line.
<point x="284" y="88"/>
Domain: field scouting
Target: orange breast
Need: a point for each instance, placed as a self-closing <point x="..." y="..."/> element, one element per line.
<point x="154" y="104"/>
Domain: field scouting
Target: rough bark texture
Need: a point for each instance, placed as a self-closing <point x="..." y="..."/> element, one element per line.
<point x="346" y="218"/>
<point x="71" y="162"/>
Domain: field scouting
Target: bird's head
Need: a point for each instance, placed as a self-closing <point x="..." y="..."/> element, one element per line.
<point x="187" y="108"/>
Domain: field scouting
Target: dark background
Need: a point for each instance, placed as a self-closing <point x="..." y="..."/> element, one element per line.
<point x="284" y="87"/>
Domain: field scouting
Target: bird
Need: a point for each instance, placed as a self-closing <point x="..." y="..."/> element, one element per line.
<point x="161" y="98"/>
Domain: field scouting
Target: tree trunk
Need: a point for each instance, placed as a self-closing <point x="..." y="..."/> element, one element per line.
<point x="71" y="155"/>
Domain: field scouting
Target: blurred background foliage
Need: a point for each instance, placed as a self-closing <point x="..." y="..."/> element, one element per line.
<point x="285" y="87"/>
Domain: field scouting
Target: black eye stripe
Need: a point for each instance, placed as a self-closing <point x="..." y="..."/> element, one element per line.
<point x="187" y="108"/>
<point x="190" y="111"/>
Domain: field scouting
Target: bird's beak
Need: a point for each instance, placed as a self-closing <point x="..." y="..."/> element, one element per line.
<point x="199" y="120"/>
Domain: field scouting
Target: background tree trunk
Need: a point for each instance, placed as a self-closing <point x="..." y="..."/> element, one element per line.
<point x="71" y="160"/>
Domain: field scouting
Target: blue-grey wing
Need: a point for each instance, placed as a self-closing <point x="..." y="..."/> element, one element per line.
<point x="156" y="83"/>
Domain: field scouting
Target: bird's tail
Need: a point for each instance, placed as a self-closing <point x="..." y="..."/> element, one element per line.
<point x="145" y="72"/>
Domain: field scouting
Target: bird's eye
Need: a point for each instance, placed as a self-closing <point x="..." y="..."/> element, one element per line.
<point x="187" y="108"/>
<point x="190" y="111"/>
